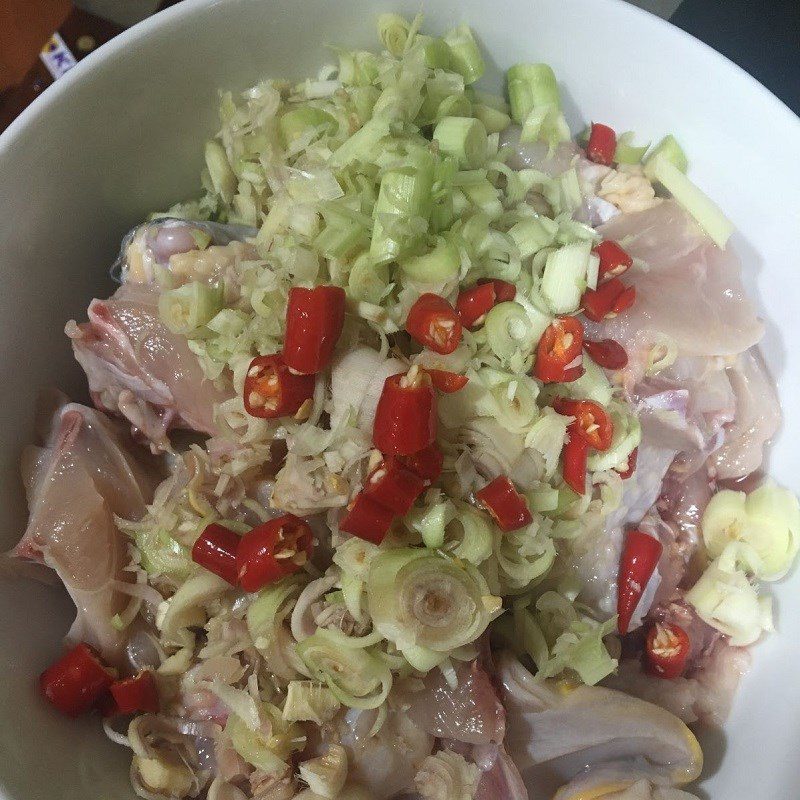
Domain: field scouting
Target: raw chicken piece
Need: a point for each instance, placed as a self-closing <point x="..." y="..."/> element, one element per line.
<point x="555" y="731"/>
<point x="500" y="779"/>
<point x="757" y="418"/>
<point x="537" y="155"/>
<point x="83" y="475"/>
<point x="618" y="782"/>
<point x="470" y="713"/>
<point x="705" y="696"/>
<point x="594" y="558"/>
<point x="387" y="762"/>
<point x="140" y="370"/>
<point x="691" y="291"/>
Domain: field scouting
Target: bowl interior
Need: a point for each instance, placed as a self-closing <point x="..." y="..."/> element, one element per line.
<point x="122" y="136"/>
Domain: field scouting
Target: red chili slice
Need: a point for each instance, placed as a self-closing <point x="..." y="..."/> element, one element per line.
<point x="503" y="290"/>
<point x="393" y="486"/>
<point x="592" y="422"/>
<point x="667" y="650"/>
<point x="639" y="560"/>
<point x="607" y="353"/>
<point x="559" y="351"/>
<point x="405" y="419"/>
<point x="75" y="682"/>
<point x="434" y="323"/>
<point x="272" y="390"/>
<point x="574" y="457"/>
<point x="608" y="300"/>
<point x="474" y="304"/>
<point x="632" y="458"/>
<point x="602" y="144"/>
<point x="139" y="693"/>
<point x="447" y="382"/>
<point x="624" y="301"/>
<point x="215" y="550"/>
<point x="506" y="505"/>
<point x="278" y="548"/>
<point x="614" y="261"/>
<point x="427" y="463"/>
<point x="314" y="321"/>
<point x="367" y="519"/>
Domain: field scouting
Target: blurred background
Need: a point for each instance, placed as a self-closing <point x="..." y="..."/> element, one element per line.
<point x="40" y="40"/>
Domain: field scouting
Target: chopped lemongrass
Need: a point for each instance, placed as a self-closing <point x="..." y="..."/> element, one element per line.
<point x="508" y="332"/>
<point x="592" y="271"/>
<point x="358" y="67"/>
<point x="223" y="178"/>
<point x="671" y="150"/>
<point x="367" y="280"/>
<point x="341" y="240"/>
<point x="437" y="52"/>
<point x="495" y="101"/>
<point x="494" y="120"/>
<point x="571" y="196"/>
<point x="456" y="105"/>
<point x="402" y="210"/>
<point x="362" y="144"/>
<point x="627" y="152"/>
<point x="430" y="522"/>
<point x="393" y="32"/>
<point x="705" y="211"/>
<point x="462" y="138"/>
<point x="531" y="235"/>
<point x="542" y="498"/>
<point x="485" y="197"/>
<point x="564" y="277"/>
<point x="545" y="123"/>
<point x="295" y="123"/>
<point x="465" y="55"/>
<point x="441" y="264"/>
<point x="189" y="307"/>
<point x="531" y="86"/>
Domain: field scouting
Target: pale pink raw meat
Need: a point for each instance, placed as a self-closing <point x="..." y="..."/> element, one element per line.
<point x="705" y="695"/>
<point x="691" y="291"/>
<point x="84" y="474"/>
<point x="500" y="778"/>
<point x="140" y="370"/>
<point x="471" y="712"/>
<point x="757" y="418"/>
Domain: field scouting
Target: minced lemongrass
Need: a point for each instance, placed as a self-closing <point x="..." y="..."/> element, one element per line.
<point x="393" y="32"/>
<point x="508" y="331"/>
<point x="531" y="235"/>
<point x="564" y="277"/>
<point x="462" y="138"/>
<point x="368" y="281"/>
<point x="296" y="122"/>
<point x="705" y="211"/>
<point x="627" y="152"/>
<point x="494" y="120"/>
<point x="456" y="105"/>
<point x="531" y="86"/>
<point x="485" y="196"/>
<point x="189" y="307"/>
<point x="465" y="55"/>
<point x="223" y="178"/>
<point x="439" y="265"/>
<point x="669" y="148"/>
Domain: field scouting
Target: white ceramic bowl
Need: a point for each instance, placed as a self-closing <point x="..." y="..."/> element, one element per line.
<point x="122" y="135"/>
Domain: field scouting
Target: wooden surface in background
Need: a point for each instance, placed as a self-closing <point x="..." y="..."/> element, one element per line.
<point x="25" y="25"/>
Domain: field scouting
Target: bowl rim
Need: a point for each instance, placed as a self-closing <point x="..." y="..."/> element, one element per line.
<point x="161" y="19"/>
